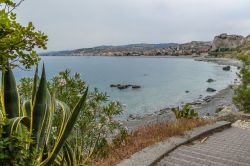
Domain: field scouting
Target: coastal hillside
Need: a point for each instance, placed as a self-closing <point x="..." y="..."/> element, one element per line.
<point x="109" y="50"/>
<point x="194" y="47"/>
<point x="230" y="46"/>
<point x="225" y="41"/>
<point x="245" y="48"/>
<point x="223" y="45"/>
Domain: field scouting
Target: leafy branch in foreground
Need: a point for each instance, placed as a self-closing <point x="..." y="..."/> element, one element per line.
<point x="18" y="42"/>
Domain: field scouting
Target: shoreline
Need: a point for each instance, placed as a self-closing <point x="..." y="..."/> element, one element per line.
<point x="204" y="58"/>
<point x="205" y="107"/>
<point x="220" y="61"/>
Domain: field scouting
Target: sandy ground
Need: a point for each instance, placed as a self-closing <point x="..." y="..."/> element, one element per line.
<point x="205" y="107"/>
<point x="221" y="61"/>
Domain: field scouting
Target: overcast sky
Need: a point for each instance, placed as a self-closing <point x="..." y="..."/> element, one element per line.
<point x="74" y="24"/>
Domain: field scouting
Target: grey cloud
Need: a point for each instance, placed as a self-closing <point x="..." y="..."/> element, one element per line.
<point x="86" y="23"/>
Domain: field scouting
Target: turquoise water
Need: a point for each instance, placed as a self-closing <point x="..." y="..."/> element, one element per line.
<point x="164" y="80"/>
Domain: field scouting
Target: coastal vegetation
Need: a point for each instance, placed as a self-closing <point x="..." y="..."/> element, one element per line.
<point x="186" y="112"/>
<point x="31" y="127"/>
<point x="38" y="127"/>
<point x="17" y="42"/>
<point x="95" y="123"/>
<point x="242" y="91"/>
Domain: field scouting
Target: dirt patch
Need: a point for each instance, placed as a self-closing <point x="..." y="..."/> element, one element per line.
<point x="146" y="136"/>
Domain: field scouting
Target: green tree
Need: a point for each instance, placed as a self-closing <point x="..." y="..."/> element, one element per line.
<point x="18" y="42"/>
<point x="242" y="92"/>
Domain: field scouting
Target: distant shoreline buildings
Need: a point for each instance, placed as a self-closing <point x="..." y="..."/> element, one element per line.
<point x="192" y="48"/>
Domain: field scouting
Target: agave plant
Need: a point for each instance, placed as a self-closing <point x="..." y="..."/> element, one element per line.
<point x="35" y="117"/>
<point x="186" y="112"/>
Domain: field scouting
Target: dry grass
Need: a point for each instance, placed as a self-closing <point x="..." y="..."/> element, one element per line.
<point x="147" y="136"/>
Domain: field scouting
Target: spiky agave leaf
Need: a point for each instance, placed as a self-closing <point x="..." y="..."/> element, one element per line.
<point x="45" y="152"/>
<point x="13" y="124"/>
<point x="65" y="113"/>
<point x="38" y="118"/>
<point x="35" y="85"/>
<point x="62" y="162"/>
<point x="50" y="117"/>
<point x="9" y="97"/>
<point x="27" y="108"/>
<point x="44" y="127"/>
<point x="68" y="155"/>
<point x="65" y="110"/>
<point x="66" y="130"/>
<point x="38" y="112"/>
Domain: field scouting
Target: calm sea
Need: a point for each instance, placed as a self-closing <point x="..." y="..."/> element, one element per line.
<point x="164" y="80"/>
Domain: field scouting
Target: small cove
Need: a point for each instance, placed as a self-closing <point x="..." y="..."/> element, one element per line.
<point x="163" y="80"/>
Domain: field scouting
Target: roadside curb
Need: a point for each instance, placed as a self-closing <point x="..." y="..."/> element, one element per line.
<point x="152" y="154"/>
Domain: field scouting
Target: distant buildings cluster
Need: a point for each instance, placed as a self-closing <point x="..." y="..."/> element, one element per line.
<point x="181" y="49"/>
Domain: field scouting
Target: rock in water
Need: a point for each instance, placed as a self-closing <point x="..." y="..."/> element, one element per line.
<point x="122" y="87"/>
<point x="131" y="116"/>
<point x="226" y="68"/>
<point x="210" y="80"/>
<point x="113" y="85"/>
<point x="136" y="86"/>
<point x="210" y="90"/>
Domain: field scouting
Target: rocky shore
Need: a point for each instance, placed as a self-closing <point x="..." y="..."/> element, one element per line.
<point x="208" y="106"/>
<point x="221" y="61"/>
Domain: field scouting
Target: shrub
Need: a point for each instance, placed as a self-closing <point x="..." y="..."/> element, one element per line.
<point x="186" y="112"/>
<point x="29" y="128"/>
<point x="94" y="125"/>
<point x="242" y="92"/>
<point x="13" y="151"/>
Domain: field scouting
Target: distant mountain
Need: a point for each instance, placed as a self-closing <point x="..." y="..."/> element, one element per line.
<point x="191" y="48"/>
<point x="104" y="48"/>
<point x="56" y="53"/>
<point x="144" y="45"/>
